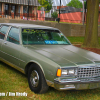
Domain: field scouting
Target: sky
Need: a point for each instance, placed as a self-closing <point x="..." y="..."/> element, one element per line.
<point x="63" y="2"/>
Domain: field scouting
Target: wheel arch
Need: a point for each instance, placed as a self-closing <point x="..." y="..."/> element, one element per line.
<point x="35" y="63"/>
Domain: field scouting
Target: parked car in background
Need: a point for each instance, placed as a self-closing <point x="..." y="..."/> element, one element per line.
<point x="47" y="57"/>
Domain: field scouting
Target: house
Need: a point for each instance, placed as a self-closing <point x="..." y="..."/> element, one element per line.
<point x="70" y="14"/>
<point x="55" y="5"/>
<point x="40" y="14"/>
<point x="18" y="8"/>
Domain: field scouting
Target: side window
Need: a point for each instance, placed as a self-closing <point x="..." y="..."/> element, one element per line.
<point x="3" y="31"/>
<point x="13" y="35"/>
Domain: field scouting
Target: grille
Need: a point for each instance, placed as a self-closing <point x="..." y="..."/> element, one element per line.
<point x="88" y="72"/>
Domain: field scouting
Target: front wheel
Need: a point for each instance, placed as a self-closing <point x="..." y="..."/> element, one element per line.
<point x="36" y="80"/>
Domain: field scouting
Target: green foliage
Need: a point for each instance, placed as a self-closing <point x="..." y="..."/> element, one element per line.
<point x="39" y="7"/>
<point x="54" y="15"/>
<point x="75" y="3"/>
<point x="47" y="4"/>
<point x="85" y="5"/>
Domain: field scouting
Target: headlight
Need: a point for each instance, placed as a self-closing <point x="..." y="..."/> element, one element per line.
<point x="61" y="72"/>
<point x="71" y="71"/>
<point x="64" y="72"/>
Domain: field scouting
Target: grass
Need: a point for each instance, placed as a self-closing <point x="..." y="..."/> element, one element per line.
<point x="69" y="22"/>
<point x="77" y="40"/>
<point x="12" y="80"/>
<point x="65" y="22"/>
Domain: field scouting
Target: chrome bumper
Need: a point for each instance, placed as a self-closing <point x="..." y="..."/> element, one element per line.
<point x="77" y="84"/>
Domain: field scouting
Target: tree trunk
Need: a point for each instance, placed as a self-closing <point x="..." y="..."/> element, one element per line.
<point x="91" y="32"/>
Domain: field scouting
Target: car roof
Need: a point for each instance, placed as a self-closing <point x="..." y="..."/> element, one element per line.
<point x="27" y="25"/>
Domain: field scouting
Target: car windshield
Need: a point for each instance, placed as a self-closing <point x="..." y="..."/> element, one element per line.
<point x="32" y="36"/>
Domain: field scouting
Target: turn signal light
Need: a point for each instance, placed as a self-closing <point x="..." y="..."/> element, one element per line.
<point x="59" y="72"/>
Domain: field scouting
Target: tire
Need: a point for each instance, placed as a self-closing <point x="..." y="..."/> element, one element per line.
<point x="36" y="80"/>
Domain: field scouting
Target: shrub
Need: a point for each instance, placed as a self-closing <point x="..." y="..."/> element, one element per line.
<point x="54" y="15"/>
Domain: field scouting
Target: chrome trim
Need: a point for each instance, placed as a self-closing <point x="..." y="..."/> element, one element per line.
<point x="69" y="67"/>
<point x="68" y="88"/>
<point x="76" y="84"/>
<point x="74" y="81"/>
<point x="34" y="78"/>
<point x="12" y="65"/>
<point x="87" y="66"/>
<point x="5" y="38"/>
<point x="88" y="72"/>
<point x="49" y="83"/>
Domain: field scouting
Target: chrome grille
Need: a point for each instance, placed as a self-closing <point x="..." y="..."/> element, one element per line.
<point x="88" y="72"/>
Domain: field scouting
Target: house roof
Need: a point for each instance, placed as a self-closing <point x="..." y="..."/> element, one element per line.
<point x="71" y="9"/>
<point x="22" y="2"/>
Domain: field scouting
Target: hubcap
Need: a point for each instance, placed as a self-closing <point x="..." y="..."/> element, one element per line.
<point x="34" y="78"/>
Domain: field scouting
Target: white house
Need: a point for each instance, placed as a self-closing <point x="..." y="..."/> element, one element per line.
<point x="55" y="4"/>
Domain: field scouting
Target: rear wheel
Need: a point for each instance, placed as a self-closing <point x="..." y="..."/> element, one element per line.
<point x="36" y="80"/>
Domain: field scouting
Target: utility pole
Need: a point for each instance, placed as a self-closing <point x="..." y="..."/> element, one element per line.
<point x="83" y="13"/>
<point x="59" y="12"/>
<point x="28" y="10"/>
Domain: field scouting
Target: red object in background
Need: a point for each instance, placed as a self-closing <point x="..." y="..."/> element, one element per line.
<point x="75" y="17"/>
<point x="12" y="15"/>
<point x="61" y="7"/>
<point x="40" y="15"/>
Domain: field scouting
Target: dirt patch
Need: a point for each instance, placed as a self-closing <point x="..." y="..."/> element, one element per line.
<point x="90" y="49"/>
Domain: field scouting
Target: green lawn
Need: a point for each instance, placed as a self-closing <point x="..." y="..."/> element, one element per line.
<point x="77" y="40"/>
<point x="65" y="22"/>
<point x="12" y="80"/>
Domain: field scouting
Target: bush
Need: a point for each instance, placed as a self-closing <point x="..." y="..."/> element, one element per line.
<point x="54" y="15"/>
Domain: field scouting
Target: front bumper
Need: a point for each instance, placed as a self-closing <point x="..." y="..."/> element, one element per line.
<point x="77" y="84"/>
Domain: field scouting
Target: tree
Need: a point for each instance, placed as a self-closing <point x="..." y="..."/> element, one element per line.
<point x="91" y="32"/>
<point x="75" y="3"/>
<point x="47" y="4"/>
<point x="54" y="15"/>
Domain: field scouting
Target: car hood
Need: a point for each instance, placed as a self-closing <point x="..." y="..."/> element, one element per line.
<point x="66" y="54"/>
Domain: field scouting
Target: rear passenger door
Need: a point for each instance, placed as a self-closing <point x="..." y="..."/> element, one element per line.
<point x="11" y="47"/>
